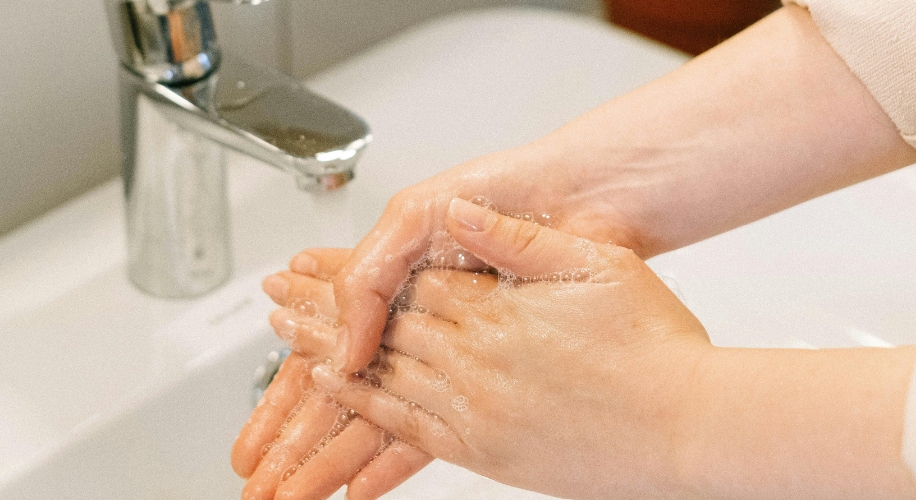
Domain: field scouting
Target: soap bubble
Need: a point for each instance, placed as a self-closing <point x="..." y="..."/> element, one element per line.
<point x="442" y="382"/>
<point x="460" y="403"/>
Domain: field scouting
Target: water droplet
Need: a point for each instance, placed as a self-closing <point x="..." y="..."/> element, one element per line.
<point x="304" y="308"/>
<point x="672" y="285"/>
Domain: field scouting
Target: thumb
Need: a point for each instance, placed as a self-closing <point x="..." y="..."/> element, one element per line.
<point x="523" y="248"/>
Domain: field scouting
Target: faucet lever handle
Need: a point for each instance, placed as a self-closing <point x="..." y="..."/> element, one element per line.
<point x="171" y="42"/>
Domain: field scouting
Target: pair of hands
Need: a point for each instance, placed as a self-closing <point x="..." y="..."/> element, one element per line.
<point x="691" y="155"/>
<point x="565" y="384"/>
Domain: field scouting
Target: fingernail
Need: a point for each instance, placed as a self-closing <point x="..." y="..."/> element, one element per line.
<point x="327" y="379"/>
<point x="284" y="322"/>
<point x="469" y="215"/>
<point x="276" y="286"/>
<point x="304" y="264"/>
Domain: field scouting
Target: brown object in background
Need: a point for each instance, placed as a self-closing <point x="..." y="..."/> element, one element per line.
<point x="693" y="26"/>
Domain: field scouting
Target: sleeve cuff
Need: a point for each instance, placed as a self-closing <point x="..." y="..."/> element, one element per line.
<point x="878" y="43"/>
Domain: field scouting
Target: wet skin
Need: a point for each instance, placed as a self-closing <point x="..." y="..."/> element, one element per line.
<point x="293" y="418"/>
<point x="532" y="382"/>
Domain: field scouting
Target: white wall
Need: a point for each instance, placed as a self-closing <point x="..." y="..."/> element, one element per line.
<point x="58" y="94"/>
<point x="56" y="109"/>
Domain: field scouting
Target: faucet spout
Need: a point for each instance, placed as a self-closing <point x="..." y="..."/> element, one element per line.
<point x="268" y="116"/>
<point x="178" y="118"/>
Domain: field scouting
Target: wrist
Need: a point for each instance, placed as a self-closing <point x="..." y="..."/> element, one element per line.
<point x="787" y="423"/>
<point x="605" y="188"/>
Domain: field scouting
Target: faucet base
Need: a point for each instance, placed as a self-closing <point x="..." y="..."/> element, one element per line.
<point x="177" y="209"/>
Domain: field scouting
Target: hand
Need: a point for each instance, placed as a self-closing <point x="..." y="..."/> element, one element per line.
<point x="608" y="387"/>
<point x="571" y="384"/>
<point x="294" y="421"/>
<point x="688" y="156"/>
<point x="531" y="182"/>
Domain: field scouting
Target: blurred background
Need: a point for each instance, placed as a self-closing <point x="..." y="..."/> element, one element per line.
<point x="58" y="93"/>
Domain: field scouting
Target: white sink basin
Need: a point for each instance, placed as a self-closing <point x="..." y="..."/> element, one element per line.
<point x="106" y="393"/>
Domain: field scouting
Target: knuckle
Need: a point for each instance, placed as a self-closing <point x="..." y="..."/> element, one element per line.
<point x="404" y="326"/>
<point x="410" y="428"/>
<point x="342" y="282"/>
<point x="520" y="234"/>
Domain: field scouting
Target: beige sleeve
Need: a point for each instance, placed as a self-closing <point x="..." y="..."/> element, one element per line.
<point x="877" y="39"/>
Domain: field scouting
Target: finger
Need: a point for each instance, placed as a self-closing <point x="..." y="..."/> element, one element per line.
<point x="404" y="375"/>
<point x="289" y="289"/>
<point x="286" y="390"/>
<point x="420" y="335"/>
<point x="392" y="467"/>
<point x="363" y="297"/>
<point x="527" y="249"/>
<point x="409" y="422"/>
<point x="311" y="335"/>
<point x="376" y="269"/>
<point x="306" y="425"/>
<point x="338" y="461"/>
<point x="446" y="293"/>
<point x="321" y="263"/>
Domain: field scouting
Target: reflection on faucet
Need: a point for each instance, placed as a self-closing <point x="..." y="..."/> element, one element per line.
<point x="182" y="104"/>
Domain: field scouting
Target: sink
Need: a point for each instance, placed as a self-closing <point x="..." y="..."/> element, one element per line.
<point x="834" y="272"/>
<point x="106" y="393"/>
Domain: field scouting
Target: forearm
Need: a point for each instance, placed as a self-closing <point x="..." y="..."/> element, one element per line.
<point x="771" y="423"/>
<point x="767" y="120"/>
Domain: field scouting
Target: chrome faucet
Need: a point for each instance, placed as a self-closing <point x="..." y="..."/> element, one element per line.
<point x="182" y="104"/>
